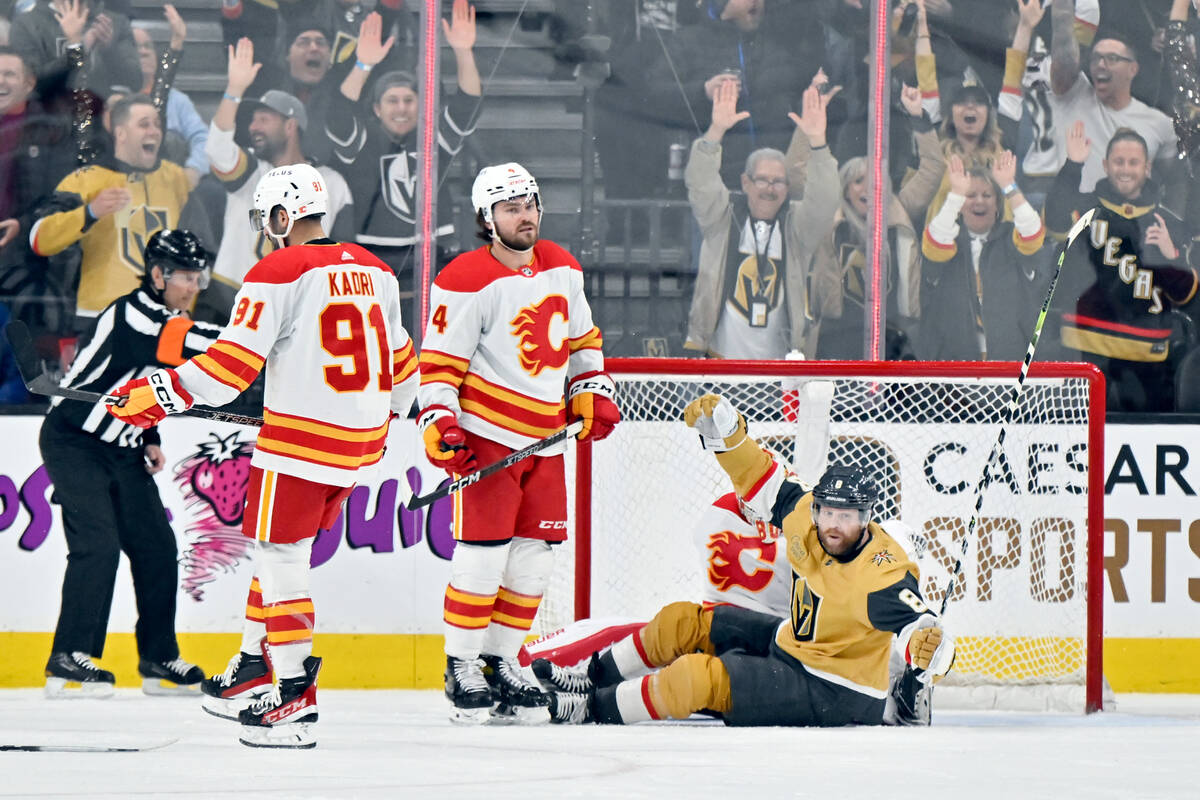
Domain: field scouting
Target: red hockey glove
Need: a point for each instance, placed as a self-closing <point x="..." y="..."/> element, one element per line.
<point x="149" y="399"/>
<point x="445" y="442"/>
<point x="591" y="396"/>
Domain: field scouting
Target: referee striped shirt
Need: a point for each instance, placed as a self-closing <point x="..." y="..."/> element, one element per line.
<point x="134" y="336"/>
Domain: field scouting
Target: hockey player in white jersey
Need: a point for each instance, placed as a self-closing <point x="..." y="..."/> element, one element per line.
<point x="509" y="326"/>
<point x="323" y="318"/>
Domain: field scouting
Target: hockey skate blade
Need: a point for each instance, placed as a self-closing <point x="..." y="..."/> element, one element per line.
<point x="227" y="709"/>
<point x="157" y="687"/>
<point x="63" y="689"/>
<point x="470" y="716"/>
<point x="294" y="736"/>
<point x="504" y="714"/>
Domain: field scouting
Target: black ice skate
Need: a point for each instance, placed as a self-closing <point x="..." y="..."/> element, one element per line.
<point x="247" y="678"/>
<point x="909" y="701"/>
<point x="560" y="679"/>
<point x="284" y="717"/>
<point x="170" y="678"/>
<point x="570" y="708"/>
<point x="519" y="700"/>
<point x="75" y="675"/>
<point x="468" y="691"/>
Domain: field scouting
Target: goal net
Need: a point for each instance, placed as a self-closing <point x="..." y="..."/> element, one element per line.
<point x="1026" y="610"/>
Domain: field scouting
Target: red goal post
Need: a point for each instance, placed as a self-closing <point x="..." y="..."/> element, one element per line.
<point x="1027" y="611"/>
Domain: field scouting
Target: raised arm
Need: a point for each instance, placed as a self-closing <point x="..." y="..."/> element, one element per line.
<point x="1064" y="47"/>
<point x="460" y="35"/>
<point x="371" y="49"/>
<point x="708" y="196"/>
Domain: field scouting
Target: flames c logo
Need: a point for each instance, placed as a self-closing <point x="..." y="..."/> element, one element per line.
<point x="725" y="569"/>
<point x="532" y="326"/>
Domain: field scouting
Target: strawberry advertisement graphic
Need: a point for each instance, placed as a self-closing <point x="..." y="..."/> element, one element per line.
<point x="213" y="482"/>
<point x="220" y="476"/>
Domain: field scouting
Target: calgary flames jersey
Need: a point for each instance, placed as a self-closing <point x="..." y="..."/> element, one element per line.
<point x="324" y="317"/>
<point x="844" y="616"/>
<point x="501" y="342"/>
<point x="743" y="567"/>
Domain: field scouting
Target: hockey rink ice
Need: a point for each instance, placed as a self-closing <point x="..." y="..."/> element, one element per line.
<point x="376" y="744"/>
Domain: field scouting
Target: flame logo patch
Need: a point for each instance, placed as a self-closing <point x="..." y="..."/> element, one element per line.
<point x="532" y="327"/>
<point x="725" y="570"/>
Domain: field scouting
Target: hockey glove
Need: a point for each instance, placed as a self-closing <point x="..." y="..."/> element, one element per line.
<point x="591" y="396"/>
<point x="719" y="424"/>
<point x="149" y="399"/>
<point x="930" y="650"/>
<point x="445" y="442"/>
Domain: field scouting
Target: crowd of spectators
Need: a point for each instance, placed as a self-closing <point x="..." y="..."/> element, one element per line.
<point x="1007" y="120"/>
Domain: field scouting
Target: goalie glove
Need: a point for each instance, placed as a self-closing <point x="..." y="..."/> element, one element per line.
<point x="930" y="650"/>
<point x="445" y="442"/>
<point x="720" y="425"/>
<point x="147" y="400"/>
<point x="591" y="396"/>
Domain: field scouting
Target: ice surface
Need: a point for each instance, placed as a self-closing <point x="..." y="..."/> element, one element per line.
<point x="375" y="744"/>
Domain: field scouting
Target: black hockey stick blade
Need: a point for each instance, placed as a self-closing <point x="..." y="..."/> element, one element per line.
<point x="510" y="459"/>
<point x="39" y="381"/>
<point x="88" y="748"/>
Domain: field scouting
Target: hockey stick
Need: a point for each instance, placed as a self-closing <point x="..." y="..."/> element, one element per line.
<point x="510" y="459"/>
<point x="87" y="748"/>
<point x="1011" y="409"/>
<point x="40" y="381"/>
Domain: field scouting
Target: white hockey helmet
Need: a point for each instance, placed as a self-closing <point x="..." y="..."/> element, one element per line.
<point x="299" y="188"/>
<point x="501" y="182"/>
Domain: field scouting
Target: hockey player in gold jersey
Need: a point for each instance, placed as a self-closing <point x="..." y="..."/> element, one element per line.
<point x="854" y="597"/>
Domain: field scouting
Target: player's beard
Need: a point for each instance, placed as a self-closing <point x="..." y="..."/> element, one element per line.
<point x="520" y="241"/>
<point x="848" y="544"/>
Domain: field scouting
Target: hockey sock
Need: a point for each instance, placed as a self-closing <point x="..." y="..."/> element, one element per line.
<point x="287" y="605"/>
<point x="289" y="635"/>
<point x="688" y="684"/>
<point x="530" y="562"/>
<point x="255" y="628"/>
<point x="626" y="659"/>
<point x="475" y="574"/>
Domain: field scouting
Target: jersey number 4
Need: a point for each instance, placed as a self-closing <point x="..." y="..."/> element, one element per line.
<point x="344" y="335"/>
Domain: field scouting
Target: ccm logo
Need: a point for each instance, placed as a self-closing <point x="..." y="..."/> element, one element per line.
<point x="553" y="524"/>
<point x="166" y="397"/>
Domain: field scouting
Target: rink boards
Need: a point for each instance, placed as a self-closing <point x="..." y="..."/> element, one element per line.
<point x="381" y="570"/>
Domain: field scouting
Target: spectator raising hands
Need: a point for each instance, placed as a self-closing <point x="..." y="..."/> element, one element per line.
<point x="813" y="120"/>
<point x="724" y="111"/>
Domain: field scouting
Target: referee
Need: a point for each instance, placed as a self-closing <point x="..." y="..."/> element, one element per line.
<point x="102" y="470"/>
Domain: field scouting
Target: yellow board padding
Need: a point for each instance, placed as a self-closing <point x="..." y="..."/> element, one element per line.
<point x="417" y="661"/>
<point x="351" y="661"/>
<point x="1166" y="666"/>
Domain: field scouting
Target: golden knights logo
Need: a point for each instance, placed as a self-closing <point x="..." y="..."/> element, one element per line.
<point x="343" y="48"/>
<point x="805" y="605"/>
<point x="135" y="226"/>
<point x="542" y="341"/>
<point x="399" y="183"/>
<point x="725" y="564"/>
<point x="883" y="557"/>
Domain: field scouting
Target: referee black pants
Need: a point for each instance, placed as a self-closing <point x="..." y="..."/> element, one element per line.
<point x="110" y="505"/>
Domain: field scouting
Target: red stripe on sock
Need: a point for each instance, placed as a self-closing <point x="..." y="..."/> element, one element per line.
<point x="646" y="698"/>
<point x="641" y="650"/>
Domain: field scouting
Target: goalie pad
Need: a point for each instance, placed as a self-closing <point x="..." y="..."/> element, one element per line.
<point x="574" y="644"/>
